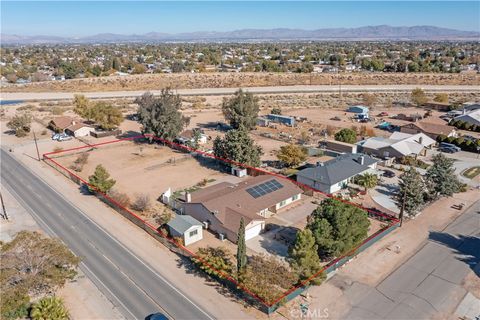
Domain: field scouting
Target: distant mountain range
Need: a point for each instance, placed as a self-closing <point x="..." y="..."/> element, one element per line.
<point x="382" y="32"/>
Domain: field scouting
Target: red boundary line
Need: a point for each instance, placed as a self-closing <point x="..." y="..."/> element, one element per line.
<point x="392" y="219"/>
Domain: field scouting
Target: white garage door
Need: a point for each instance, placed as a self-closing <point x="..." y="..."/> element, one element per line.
<point x="253" y="231"/>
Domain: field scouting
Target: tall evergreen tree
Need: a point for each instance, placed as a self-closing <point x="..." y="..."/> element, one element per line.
<point x="241" y="110"/>
<point x="238" y="146"/>
<point x="337" y="227"/>
<point x="241" y="248"/>
<point x="412" y="189"/>
<point x="441" y="177"/>
<point x="303" y="256"/>
<point x="161" y="116"/>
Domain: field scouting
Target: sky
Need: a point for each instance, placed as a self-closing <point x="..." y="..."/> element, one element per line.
<point x="74" y="18"/>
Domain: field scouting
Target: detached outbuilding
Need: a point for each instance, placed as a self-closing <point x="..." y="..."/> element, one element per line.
<point x="187" y="228"/>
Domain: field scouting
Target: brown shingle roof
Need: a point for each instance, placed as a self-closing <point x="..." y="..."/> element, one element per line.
<point x="229" y="202"/>
<point x="61" y="122"/>
<point x="77" y="126"/>
<point x="434" y="128"/>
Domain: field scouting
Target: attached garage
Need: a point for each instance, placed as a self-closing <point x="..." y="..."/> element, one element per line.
<point x="253" y="231"/>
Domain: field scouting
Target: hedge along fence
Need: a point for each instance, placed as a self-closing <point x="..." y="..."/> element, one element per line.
<point x="225" y="279"/>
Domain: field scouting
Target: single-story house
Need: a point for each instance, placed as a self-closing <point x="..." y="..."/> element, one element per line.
<point x="278" y="118"/>
<point x="433" y="130"/>
<point x="79" y="130"/>
<point x="339" y="146"/>
<point x="187" y="228"/>
<point x="359" y="109"/>
<point x="470" y="106"/>
<point x="335" y="174"/>
<point x="440" y="106"/>
<point x="472" y="117"/>
<point x="189" y="136"/>
<point x="59" y="124"/>
<point x="223" y="205"/>
<point x="398" y="145"/>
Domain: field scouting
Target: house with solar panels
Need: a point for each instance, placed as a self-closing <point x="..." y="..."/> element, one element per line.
<point x="220" y="207"/>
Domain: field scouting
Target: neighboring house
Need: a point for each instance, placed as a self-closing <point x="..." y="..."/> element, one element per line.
<point x="339" y="146"/>
<point x="187" y="228"/>
<point x="440" y="106"/>
<point x="335" y="174"/>
<point x="79" y="130"/>
<point x="223" y="205"/>
<point x="189" y="136"/>
<point x="278" y="118"/>
<point x="472" y="117"/>
<point x="59" y="124"/>
<point x="363" y="110"/>
<point x="398" y="145"/>
<point x="470" y="106"/>
<point x="433" y="130"/>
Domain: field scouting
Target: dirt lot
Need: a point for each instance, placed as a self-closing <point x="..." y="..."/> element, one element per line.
<point x="226" y="80"/>
<point x="147" y="169"/>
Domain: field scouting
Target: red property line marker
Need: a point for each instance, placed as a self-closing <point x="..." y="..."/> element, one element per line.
<point x="393" y="220"/>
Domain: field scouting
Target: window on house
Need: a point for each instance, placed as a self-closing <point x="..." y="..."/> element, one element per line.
<point x="284" y="202"/>
<point x="193" y="233"/>
<point x="295" y="197"/>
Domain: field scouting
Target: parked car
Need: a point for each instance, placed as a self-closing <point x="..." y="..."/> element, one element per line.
<point x="388" y="174"/>
<point x="55" y="136"/>
<point x="450" y="146"/>
<point x="448" y="150"/>
<point x="64" y="137"/>
<point x="157" y="316"/>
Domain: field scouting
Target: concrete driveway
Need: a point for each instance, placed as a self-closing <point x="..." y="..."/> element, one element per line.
<point x="266" y="243"/>
<point x="383" y="193"/>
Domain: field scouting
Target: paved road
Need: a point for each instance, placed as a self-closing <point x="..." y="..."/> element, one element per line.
<point x="133" y="286"/>
<point x="429" y="283"/>
<point x="26" y="96"/>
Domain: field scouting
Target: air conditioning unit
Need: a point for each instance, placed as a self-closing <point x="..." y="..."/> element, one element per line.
<point x="206" y="224"/>
<point x="221" y="236"/>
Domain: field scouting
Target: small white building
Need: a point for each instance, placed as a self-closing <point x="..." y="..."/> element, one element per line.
<point x="187" y="228"/>
<point x="79" y="130"/>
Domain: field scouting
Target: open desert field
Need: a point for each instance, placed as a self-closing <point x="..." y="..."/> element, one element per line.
<point x="242" y="79"/>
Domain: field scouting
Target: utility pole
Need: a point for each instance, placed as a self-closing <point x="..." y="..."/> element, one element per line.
<point x="36" y="144"/>
<point x="4" y="214"/>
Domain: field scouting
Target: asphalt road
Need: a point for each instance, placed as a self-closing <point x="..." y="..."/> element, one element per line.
<point x="27" y="96"/>
<point x="133" y="286"/>
<point x="430" y="282"/>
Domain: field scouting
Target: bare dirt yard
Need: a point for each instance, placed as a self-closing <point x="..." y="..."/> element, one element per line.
<point x="146" y="168"/>
<point x="244" y="79"/>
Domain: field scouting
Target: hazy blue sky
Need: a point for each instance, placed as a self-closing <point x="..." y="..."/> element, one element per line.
<point x="71" y="18"/>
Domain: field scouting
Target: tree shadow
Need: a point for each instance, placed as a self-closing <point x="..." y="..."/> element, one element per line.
<point x="466" y="247"/>
<point x="229" y="291"/>
<point x="131" y="133"/>
<point x="215" y="125"/>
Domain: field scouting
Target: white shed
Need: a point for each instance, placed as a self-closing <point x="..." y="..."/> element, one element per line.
<point x="186" y="227"/>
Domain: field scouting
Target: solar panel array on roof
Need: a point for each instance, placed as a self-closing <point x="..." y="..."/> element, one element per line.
<point x="264" y="188"/>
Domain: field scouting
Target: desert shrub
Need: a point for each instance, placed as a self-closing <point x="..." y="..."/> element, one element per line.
<point x="267" y="277"/>
<point x="214" y="261"/>
<point x="119" y="197"/>
<point x="44" y="132"/>
<point x="80" y="162"/>
<point x="57" y="111"/>
<point x="142" y="202"/>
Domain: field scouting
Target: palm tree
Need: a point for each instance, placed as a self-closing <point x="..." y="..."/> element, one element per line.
<point x="50" y="308"/>
<point x="367" y="180"/>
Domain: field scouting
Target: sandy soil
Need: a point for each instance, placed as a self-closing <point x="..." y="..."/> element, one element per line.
<point x="225" y="80"/>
